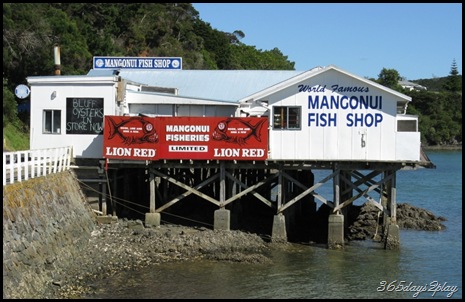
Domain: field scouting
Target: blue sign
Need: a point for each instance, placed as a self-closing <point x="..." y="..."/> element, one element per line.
<point x="137" y="63"/>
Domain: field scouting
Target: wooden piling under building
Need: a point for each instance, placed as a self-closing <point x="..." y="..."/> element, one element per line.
<point x="277" y="196"/>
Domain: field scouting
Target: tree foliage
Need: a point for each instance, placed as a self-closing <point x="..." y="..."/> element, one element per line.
<point x="439" y="111"/>
<point x="10" y="111"/>
<point x="84" y="30"/>
<point x="453" y="82"/>
<point x="389" y="78"/>
<point x="440" y="116"/>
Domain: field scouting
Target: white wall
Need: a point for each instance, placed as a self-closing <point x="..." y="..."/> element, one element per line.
<point x="84" y="145"/>
<point x="340" y="139"/>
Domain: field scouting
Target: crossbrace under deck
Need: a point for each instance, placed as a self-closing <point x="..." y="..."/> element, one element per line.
<point x="170" y="181"/>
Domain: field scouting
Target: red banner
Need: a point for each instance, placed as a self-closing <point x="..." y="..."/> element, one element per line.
<point x="204" y="138"/>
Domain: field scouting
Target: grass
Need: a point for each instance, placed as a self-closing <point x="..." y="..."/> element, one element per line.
<point x="15" y="139"/>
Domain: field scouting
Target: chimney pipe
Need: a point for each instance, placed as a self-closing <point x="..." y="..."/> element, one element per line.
<point x="56" y="51"/>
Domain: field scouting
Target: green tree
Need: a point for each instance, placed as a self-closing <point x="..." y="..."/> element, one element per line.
<point x="10" y="110"/>
<point x="390" y="78"/>
<point x="74" y="53"/>
<point x="453" y="82"/>
<point x="27" y="42"/>
<point x="216" y="43"/>
<point x="439" y="114"/>
<point x="248" y="57"/>
<point x="100" y="24"/>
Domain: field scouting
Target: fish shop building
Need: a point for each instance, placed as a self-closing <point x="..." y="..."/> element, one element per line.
<point x="271" y="122"/>
<point x="321" y="114"/>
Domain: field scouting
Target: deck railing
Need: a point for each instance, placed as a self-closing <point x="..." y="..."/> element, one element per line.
<point x="23" y="165"/>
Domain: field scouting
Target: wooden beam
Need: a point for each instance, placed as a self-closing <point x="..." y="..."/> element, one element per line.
<point x="306" y="192"/>
<point x="361" y="193"/>
<point x="250" y="189"/>
<point x="189" y="190"/>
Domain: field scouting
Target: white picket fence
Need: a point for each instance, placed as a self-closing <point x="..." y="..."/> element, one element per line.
<point x="27" y="164"/>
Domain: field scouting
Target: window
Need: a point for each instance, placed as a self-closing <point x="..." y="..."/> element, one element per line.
<point x="52" y="121"/>
<point x="407" y="126"/>
<point x="286" y="117"/>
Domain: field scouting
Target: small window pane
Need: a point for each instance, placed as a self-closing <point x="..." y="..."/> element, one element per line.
<point x="47" y="121"/>
<point x="52" y="121"/>
<point x="279" y="118"/>
<point x="56" y="121"/>
<point x="294" y="118"/>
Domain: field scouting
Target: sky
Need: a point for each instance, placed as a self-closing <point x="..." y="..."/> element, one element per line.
<point x="419" y="40"/>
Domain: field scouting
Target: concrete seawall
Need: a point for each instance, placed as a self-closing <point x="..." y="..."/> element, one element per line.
<point x="46" y="221"/>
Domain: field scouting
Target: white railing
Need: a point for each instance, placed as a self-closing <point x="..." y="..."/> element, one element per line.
<point x="23" y="165"/>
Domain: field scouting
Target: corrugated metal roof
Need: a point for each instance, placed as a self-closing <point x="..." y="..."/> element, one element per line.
<point x="220" y="85"/>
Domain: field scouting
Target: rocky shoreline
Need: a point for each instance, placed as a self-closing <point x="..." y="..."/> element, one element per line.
<point x="125" y="245"/>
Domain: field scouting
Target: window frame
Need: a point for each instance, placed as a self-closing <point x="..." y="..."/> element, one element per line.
<point x="51" y="121"/>
<point x="282" y="120"/>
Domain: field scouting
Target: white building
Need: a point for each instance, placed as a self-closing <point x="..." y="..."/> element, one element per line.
<point x="323" y="118"/>
<point x="323" y="114"/>
<point x="411" y="86"/>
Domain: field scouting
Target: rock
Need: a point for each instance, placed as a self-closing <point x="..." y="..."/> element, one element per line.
<point x="365" y="223"/>
<point x="127" y="245"/>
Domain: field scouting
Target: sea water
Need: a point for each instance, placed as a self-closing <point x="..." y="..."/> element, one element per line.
<point x="428" y="264"/>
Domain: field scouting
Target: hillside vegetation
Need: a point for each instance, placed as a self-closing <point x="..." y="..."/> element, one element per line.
<point x="84" y="30"/>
